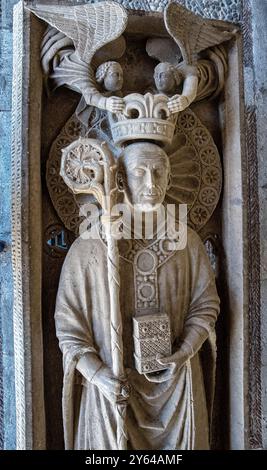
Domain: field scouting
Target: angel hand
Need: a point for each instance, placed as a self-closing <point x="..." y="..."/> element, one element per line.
<point x="177" y="103"/>
<point x="115" y="105"/>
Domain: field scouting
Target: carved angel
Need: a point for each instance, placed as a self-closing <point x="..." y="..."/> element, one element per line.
<point x="109" y="77"/>
<point x="192" y="78"/>
<point x="168" y="80"/>
<point x="78" y="40"/>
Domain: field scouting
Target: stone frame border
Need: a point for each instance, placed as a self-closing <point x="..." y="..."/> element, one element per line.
<point x="18" y="321"/>
<point x="27" y="233"/>
<point x="255" y="417"/>
<point x="254" y="287"/>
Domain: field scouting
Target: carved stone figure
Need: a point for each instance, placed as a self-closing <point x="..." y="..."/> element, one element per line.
<point x="109" y="75"/>
<point x="133" y="312"/>
<point x="167" y="409"/>
<point x="168" y="80"/>
<point x="201" y="77"/>
<point x="192" y="83"/>
<point x="75" y="67"/>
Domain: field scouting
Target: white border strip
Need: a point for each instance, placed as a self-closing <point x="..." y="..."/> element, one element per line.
<point x="16" y="152"/>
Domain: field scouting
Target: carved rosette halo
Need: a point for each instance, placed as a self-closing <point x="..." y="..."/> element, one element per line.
<point x="196" y="171"/>
<point x="146" y="117"/>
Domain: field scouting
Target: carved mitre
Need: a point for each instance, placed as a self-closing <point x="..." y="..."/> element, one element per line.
<point x="145" y="117"/>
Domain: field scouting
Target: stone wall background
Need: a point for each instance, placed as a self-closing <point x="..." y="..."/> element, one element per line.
<point x="229" y="10"/>
<point x="255" y="101"/>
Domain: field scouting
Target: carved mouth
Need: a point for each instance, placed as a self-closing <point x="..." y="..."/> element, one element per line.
<point x="151" y="197"/>
<point x="151" y="194"/>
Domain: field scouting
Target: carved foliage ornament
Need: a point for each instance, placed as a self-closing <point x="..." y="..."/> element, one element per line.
<point x="145" y="117"/>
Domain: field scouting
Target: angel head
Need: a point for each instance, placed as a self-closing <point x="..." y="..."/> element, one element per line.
<point x="167" y="78"/>
<point x="110" y="76"/>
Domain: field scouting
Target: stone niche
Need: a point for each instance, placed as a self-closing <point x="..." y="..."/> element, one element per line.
<point x="45" y="218"/>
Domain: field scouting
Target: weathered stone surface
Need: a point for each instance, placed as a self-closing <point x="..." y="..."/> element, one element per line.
<point x="233" y="232"/>
<point x="228" y="10"/>
<point x="259" y="35"/>
<point x="5" y="69"/>
<point x="7" y="14"/>
<point x="26" y="105"/>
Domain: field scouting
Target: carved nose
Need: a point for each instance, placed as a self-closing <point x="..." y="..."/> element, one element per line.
<point x="150" y="179"/>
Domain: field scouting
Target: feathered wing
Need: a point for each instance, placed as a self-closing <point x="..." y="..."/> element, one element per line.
<point x="53" y="41"/>
<point x="163" y="49"/>
<point x="193" y="33"/>
<point x="90" y="27"/>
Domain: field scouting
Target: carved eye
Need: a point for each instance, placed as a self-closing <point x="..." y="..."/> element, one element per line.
<point x="158" y="172"/>
<point x="138" y="172"/>
<point x="144" y="329"/>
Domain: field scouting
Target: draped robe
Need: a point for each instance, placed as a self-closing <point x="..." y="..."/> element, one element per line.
<point x="158" y="414"/>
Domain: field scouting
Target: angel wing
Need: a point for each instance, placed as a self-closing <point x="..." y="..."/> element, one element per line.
<point x="90" y="27"/>
<point x="54" y="42"/>
<point x="193" y="33"/>
<point x="164" y="50"/>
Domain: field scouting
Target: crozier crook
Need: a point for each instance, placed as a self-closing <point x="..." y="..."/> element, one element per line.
<point x="88" y="167"/>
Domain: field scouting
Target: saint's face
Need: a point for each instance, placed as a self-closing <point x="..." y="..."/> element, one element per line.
<point x="113" y="80"/>
<point x="147" y="180"/>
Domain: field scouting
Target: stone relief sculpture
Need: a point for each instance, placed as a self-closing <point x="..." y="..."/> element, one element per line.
<point x="204" y="81"/>
<point x="133" y="313"/>
<point x="197" y="76"/>
<point x="73" y="67"/>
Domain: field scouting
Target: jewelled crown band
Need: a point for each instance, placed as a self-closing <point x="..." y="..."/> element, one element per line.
<point x="145" y="117"/>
